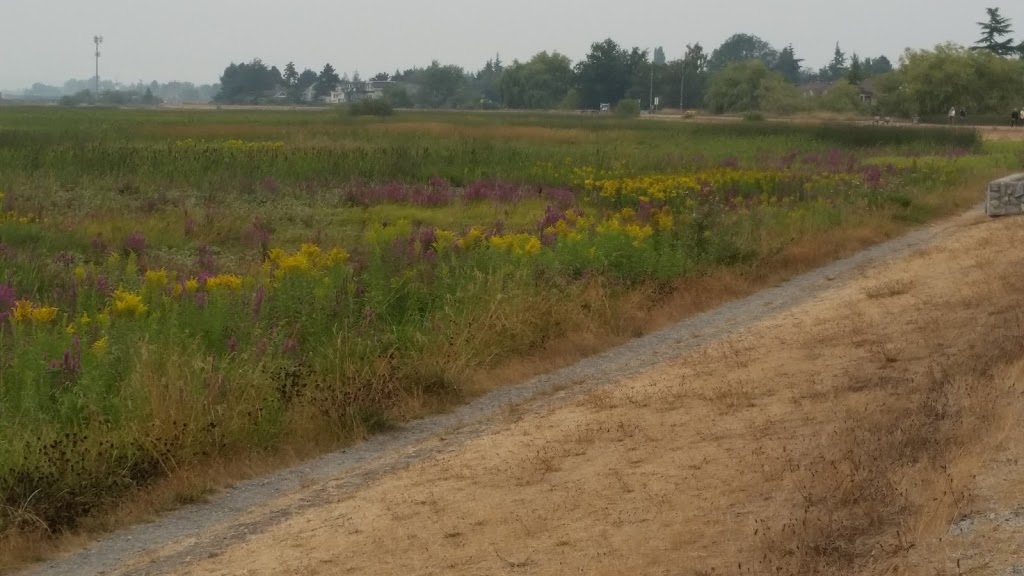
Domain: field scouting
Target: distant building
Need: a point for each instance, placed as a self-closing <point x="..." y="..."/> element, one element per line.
<point x="347" y="91"/>
<point x="819" y="89"/>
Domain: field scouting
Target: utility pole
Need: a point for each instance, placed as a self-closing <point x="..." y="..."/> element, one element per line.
<point x="97" y="40"/>
<point x="682" y="83"/>
<point x="650" y="102"/>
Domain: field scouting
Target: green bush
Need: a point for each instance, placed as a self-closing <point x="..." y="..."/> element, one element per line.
<point x="753" y="117"/>
<point x="628" y="107"/>
<point x="372" y="107"/>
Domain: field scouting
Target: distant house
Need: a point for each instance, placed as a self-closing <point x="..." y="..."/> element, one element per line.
<point x="867" y="91"/>
<point x="309" y="94"/>
<point x="348" y="91"/>
<point x="819" y="89"/>
<point x="275" y="94"/>
<point x="815" y="89"/>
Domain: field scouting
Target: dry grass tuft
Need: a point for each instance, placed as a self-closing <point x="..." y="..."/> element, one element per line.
<point x="897" y="467"/>
<point x="889" y="289"/>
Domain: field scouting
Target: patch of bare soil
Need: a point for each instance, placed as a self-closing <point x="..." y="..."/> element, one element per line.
<point x="873" y="429"/>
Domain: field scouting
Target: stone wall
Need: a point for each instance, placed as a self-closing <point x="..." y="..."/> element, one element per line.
<point x="1006" y="196"/>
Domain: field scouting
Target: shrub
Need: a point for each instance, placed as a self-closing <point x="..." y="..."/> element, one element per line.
<point x="628" y="107"/>
<point x="372" y="107"/>
<point x="753" y="117"/>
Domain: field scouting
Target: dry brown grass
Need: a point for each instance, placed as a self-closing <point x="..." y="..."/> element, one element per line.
<point x="898" y="468"/>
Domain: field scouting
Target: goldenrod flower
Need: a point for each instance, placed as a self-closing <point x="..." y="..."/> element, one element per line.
<point x="128" y="304"/>
<point x="156" y="278"/>
<point x="225" y="281"/>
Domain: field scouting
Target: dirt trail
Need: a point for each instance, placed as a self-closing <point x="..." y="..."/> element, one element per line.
<point x="696" y="450"/>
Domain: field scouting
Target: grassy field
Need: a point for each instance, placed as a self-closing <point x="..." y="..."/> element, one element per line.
<point x="180" y="290"/>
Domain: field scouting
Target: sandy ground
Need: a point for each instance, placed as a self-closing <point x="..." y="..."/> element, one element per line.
<point x="672" y="471"/>
<point x="709" y="460"/>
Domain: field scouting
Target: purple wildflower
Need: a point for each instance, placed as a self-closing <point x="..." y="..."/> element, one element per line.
<point x="201" y="299"/>
<point x="269" y="185"/>
<point x="99" y="245"/>
<point x="257" y="301"/>
<point x="7" y="299"/>
<point x="190" y="226"/>
<point x="873" y="177"/>
<point x="136" y="243"/>
<point x="232" y="345"/>
<point x="103" y="285"/>
<point x="291" y="346"/>
<point x="205" y="261"/>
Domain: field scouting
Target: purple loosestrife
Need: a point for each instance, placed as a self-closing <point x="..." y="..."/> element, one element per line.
<point x="69" y="366"/>
<point x="873" y="177"/>
<point x="561" y="197"/>
<point x="232" y="345"/>
<point x="258" y="234"/>
<point x="135" y="243"/>
<point x="205" y="260"/>
<point x="291" y="346"/>
<point x="257" y="301"/>
<point x="103" y="285"/>
<point x="552" y="216"/>
<point x="269" y="185"/>
<point x="190" y="227"/>
<point x="99" y="244"/>
<point x="7" y="299"/>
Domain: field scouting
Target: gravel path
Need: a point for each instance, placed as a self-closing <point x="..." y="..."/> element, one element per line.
<point x="234" y="515"/>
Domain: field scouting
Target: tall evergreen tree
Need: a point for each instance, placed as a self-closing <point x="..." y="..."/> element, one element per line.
<point x="837" y="67"/>
<point x="659" y="56"/>
<point x="327" y="80"/>
<point x="856" y="71"/>
<point x="995" y="35"/>
<point x="291" y="75"/>
<point x="789" y="65"/>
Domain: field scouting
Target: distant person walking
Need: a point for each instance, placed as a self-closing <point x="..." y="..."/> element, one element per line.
<point x="963" y="115"/>
<point x="952" y="115"/>
<point x="1014" y="118"/>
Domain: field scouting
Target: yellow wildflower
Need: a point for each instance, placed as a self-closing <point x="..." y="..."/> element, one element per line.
<point x="100" y="346"/>
<point x="192" y="284"/>
<point x="128" y="303"/>
<point x="22" y="310"/>
<point x="663" y="220"/>
<point x="443" y="239"/>
<point x="44" y="314"/>
<point x="336" y="256"/>
<point x="156" y="278"/>
<point x="226" y="281"/>
<point x="79" y="272"/>
<point x="472" y="238"/>
<point x="25" y="310"/>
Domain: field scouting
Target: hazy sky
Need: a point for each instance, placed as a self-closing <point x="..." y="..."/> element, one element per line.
<point x="51" y="40"/>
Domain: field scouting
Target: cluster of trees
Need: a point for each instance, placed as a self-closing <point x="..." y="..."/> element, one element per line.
<point x="177" y="92"/>
<point x="986" y="78"/>
<point x="608" y="74"/>
<point x="744" y="73"/>
<point x="144" y="97"/>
